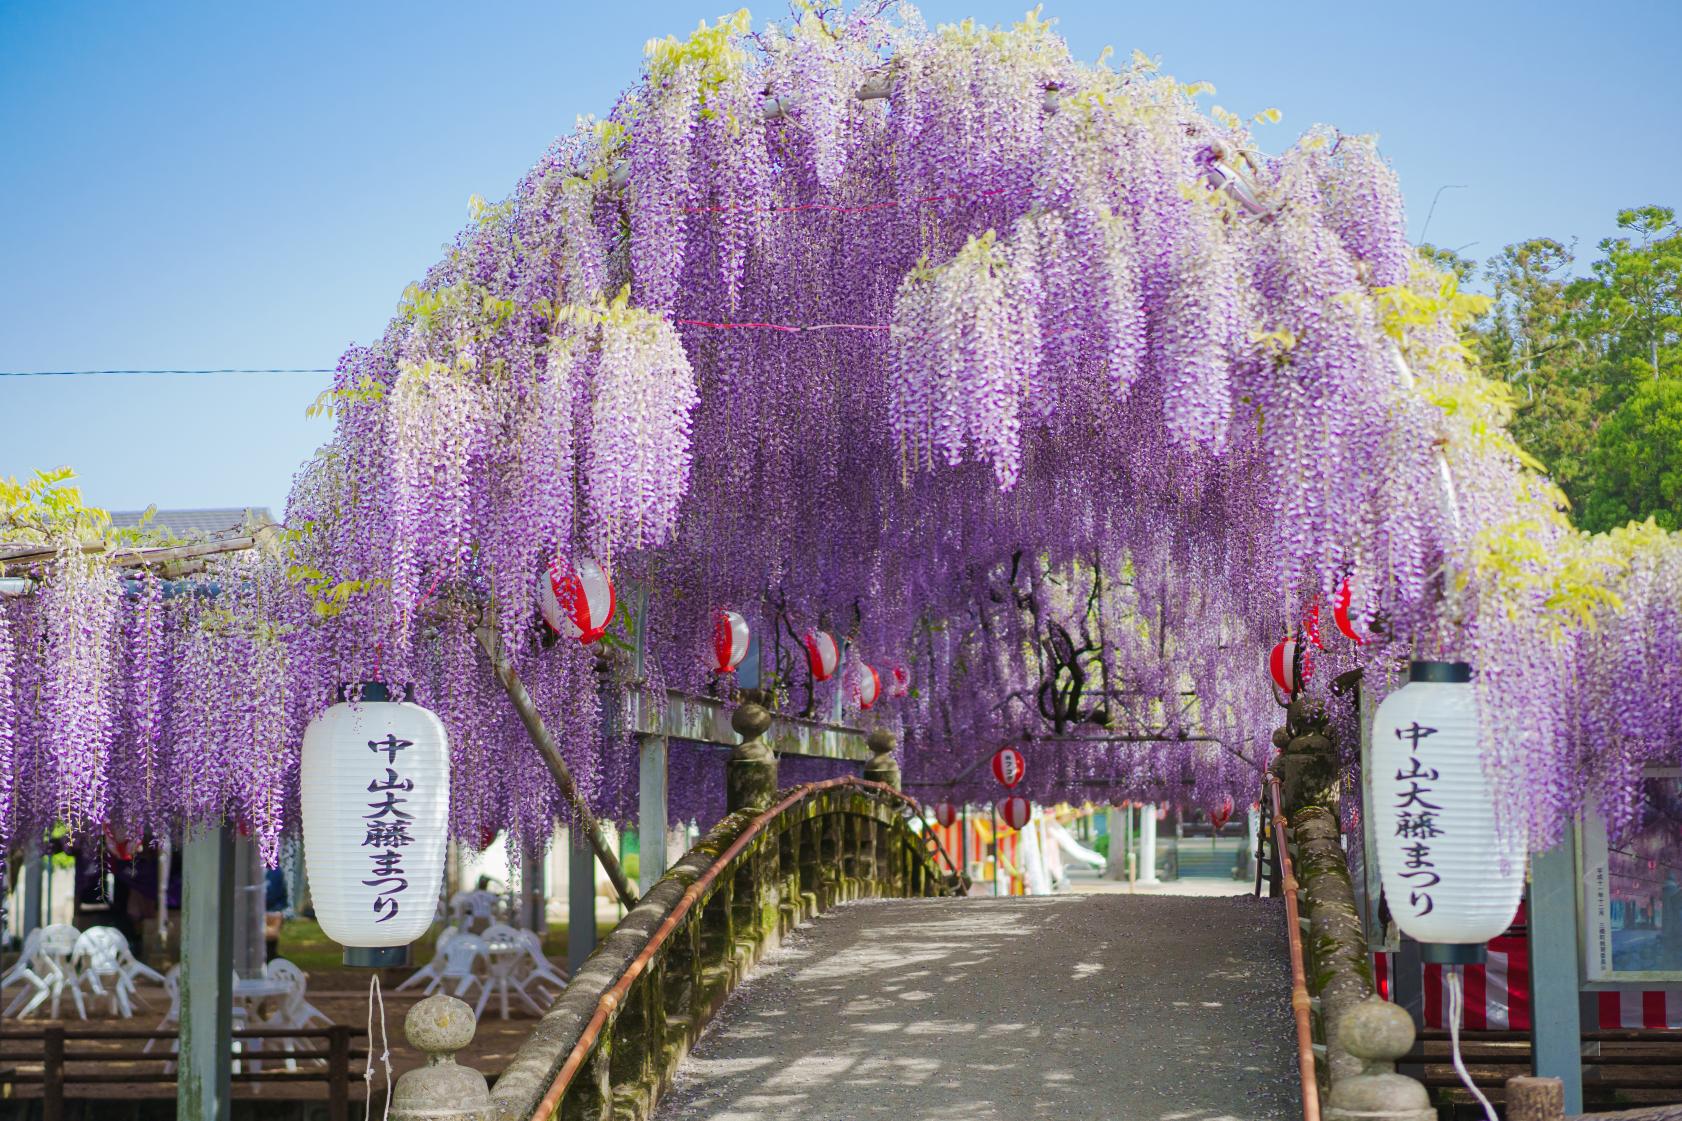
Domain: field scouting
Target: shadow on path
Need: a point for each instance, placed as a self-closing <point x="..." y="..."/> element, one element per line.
<point x="1135" y="1008"/>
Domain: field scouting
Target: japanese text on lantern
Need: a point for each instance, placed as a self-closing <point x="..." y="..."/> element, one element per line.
<point x="388" y="828"/>
<point x="1417" y="820"/>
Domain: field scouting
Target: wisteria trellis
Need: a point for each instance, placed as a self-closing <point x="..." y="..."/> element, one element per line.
<point x="934" y="337"/>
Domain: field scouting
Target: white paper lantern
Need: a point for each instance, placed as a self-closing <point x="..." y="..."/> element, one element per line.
<point x="375" y="784"/>
<point x="730" y="642"/>
<point x="577" y="599"/>
<point x="823" y="654"/>
<point x="1448" y="873"/>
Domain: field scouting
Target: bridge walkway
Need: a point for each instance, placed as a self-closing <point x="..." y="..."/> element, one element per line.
<point x="1100" y="1006"/>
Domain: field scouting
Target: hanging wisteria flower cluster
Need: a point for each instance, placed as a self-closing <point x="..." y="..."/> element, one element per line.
<point x="1028" y="374"/>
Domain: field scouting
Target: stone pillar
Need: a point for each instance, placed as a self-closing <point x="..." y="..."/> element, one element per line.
<point x="1378" y="1033"/>
<point x="1535" y="1099"/>
<point x="443" y="1089"/>
<point x="1307" y="765"/>
<point x="207" y="966"/>
<point x="882" y="766"/>
<point x="581" y="899"/>
<point x="751" y="774"/>
<point x="1147" y="845"/>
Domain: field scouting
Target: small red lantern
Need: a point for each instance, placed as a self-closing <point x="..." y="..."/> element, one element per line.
<point x="1015" y="812"/>
<point x="946" y="813"/>
<point x="120" y="848"/>
<point x="730" y="642"/>
<point x="823" y="654"/>
<point x="900" y="678"/>
<point x="866" y="686"/>
<point x="577" y="599"/>
<point x="1009" y="767"/>
<point x="1288" y="665"/>
<point x="1341" y="615"/>
<point x="1219" y="817"/>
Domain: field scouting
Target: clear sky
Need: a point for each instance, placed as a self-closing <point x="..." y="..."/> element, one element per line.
<point x="191" y="185"/>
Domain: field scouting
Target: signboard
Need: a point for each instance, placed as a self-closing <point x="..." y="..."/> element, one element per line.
<point x="1632" y="890"/>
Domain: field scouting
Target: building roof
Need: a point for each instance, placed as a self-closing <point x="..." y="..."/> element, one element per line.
<point x="192" y="523"/>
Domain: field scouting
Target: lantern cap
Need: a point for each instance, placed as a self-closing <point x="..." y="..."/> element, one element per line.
<point x="1453" y="953"/>
<point x="376" y="957"/>
<point x="1440" y="673"/>
<point x="374" y="691"/>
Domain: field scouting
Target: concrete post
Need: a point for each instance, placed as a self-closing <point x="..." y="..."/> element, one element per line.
<point x="1378" y="1033"/>
<point x="882" y="766"/>
<point x="651" y="811"/>
<point x="581" y="900"/>
<point x="31" y="889"/>
<point x="1555" y="1015"/>
<point x="1147" y="846"/>
<point x="207" y="967"/>
<point x="442" y="1090"/>
<point x="751" y="774"/>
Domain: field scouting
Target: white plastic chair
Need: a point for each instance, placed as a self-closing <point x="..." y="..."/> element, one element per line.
<point x="36" y="989"/>
<point x="294" y="1011"/>
<point x="172" y="987"/>
<point x="462" y="955"/>
<point x="99" y="968"/>
<point x="54" y="964"/>
<point x="432" y="970"/>
<point x="536" y="969"/>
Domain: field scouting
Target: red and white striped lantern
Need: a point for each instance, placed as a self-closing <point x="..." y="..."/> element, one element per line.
<point x="1288" y="665"/>
<point x="823" y="654"/>
<point x="1009" y="767"/>
<point x="577" y="599"/>
<point x="1222" y="814"/>
<point x="730" y="642"/>
<point x="1311" y="625"/>
<point x="946" y="813"/>
<point x="1341" y="612"/>
<point x="900" y="681"/>
<point x="865" y="686"/>
<point x="1015" y="811"/>
<point x="120" y="848"/>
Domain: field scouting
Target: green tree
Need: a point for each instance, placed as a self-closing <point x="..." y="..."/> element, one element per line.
<point x="1636" y="463"/>
<point x="1631" y="308"/>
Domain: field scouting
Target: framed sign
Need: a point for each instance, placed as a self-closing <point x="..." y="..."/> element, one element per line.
<point x="1632" y="890"/>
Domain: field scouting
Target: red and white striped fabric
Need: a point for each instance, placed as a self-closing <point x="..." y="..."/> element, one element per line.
<point x="1498" y="992"/>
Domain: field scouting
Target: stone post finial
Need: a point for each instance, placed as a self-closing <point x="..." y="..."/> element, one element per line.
<point x="751" y="773"/>
<point x="1378" y="1033"/>
<point x="442" y="1090"/>
<point x="882" y="766"/>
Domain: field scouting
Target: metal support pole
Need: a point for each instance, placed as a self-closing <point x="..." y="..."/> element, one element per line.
<point x="207" y="967"/>
<point x="1556" y="1031"/>
<point x="581" y="901"/>
<point x="651" y="811"/>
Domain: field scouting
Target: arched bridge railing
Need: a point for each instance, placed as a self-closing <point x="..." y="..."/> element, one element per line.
<point x="613" y="1039"/>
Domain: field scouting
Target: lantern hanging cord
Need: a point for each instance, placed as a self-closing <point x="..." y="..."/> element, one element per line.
<point x="375" y="997"/>
<point x="1455" y="1007"/>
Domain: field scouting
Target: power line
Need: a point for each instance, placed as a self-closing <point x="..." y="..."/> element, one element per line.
<point x="97" y="373"/>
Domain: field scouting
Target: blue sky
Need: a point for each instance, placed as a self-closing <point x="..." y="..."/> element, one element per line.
<point x="193" y="185"/>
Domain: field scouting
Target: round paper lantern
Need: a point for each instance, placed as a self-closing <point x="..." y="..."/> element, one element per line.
<point x="1015" y="812"/>
<point x="946" y="813"/>
<point x="375" y="791"/>
<point x="730" y="642"/>
<point x="822" y="654"/>
<point x="1009" y="767"/>
<point x="1340" y="611"/>
<point x="1311" y="625"/>
<point x="120" y="848"/>
<point x="1222" y="814"/>
<point x="1288" y="665"/>
<point x="866" y="686"/>
<point x="1450" y="876"/>
<point x="900" y="681"/>
<point x="577" y="599"/>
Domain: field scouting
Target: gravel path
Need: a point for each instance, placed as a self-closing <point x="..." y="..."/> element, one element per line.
<point x="1103" y="1007"/>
